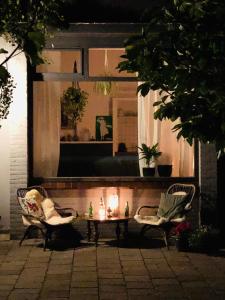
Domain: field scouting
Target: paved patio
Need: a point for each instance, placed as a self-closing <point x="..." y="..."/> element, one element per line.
<point x="131" y="271"/>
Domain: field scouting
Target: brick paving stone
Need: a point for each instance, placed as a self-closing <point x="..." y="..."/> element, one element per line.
<point x="136" y="278"/>
<point x="84" y="284"/>
<point x="82" y="297"/>
<point x="50" y="293"/>
<point x="83" y="291"/>
<point x="113" y="296"/>
<point x="111" y="270"/>
<point x="111" y="281"/>
<point x="84" y="276"/>
<point x="8" y="279"/>
<point x="139" y="285"/>
<point x="145" y="291"/>
<point x="115" y="289"/>
<point x="84" y="268"/>
<point x="165" y="281"/>
<point x="109" y="275"/>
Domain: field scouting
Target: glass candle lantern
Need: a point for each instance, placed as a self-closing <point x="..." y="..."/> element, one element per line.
<point x="114" y="204"/>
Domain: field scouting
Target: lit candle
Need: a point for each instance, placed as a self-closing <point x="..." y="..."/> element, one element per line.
<point x="101" y="211"/>
<point x="114" y="204"/>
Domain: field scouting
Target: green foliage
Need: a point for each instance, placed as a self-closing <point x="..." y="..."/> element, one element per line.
<point x="74" y="101"/>
<point x="25" y="24"/>
<point x="204" y="239"/>
<point x="180" y="52"/>
<point x="149" y="153"/>
<point x="6" y="91"/>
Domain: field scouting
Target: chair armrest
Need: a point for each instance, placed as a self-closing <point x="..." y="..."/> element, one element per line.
<point x="63" y="208"/>
<point x="28" y="216"/>
<point x="145" y="206"/>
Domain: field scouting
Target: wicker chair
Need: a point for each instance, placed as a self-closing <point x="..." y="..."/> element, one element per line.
<point x="163" y="224"/>
<point x="34" y="222"/>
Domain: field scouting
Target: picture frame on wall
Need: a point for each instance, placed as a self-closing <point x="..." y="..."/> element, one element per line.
<point x="104" y="128"/>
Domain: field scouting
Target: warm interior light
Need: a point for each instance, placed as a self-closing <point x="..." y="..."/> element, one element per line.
<point x="114" y="204"/>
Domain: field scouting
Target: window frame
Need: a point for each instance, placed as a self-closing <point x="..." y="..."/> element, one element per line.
<point x="82" y="37"/>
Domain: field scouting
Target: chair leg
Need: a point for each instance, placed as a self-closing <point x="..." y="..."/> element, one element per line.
<point x="48" y="236"/>
<point x="144" y="229"/>
<point x="26" y="233"/>
<point x="165" y="237"/>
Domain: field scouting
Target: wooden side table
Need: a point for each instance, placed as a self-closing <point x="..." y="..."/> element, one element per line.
<point x="96" y="220"/>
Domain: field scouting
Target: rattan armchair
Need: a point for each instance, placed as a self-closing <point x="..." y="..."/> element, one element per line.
<point x="34" y="218"/>
<point x="165" y="225"/>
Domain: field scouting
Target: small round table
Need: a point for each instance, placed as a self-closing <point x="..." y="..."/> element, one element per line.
<point x="96" y="220"/>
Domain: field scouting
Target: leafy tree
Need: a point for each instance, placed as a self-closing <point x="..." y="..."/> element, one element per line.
<point x="25" y="24"/>
<point x="181" y="52"/>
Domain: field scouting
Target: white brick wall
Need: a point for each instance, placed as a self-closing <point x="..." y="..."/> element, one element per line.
<point x="17" y="121"/>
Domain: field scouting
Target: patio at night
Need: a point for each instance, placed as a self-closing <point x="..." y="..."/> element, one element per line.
<point x="112" y="150"/>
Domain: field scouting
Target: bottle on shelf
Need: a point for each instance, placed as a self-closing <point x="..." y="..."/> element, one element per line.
<point x="126" y="212"/>
<point x="90" y="210"/>
<point x="102" y="208"/>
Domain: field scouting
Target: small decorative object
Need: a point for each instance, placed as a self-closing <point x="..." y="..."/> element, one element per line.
<point x="114" y="204"/>
<point x="101" y="209"/>
<point x="150" y="154"/>
<point x="109" y="212"/>
<point x="90" y="210"/>
<point x="126" y="212"/>
<point x="73" y="102"/>
<point x="182" y="233"/>
<point x="104" y="128"/>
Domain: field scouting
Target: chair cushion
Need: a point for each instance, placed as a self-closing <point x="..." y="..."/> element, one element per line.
<point x="30" y="206"/>
<point x="171" y="206"/>
<point x="48" y="207"/>
<point x="52" y="217"/>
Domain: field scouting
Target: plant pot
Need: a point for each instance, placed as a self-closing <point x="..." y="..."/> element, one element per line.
<point x="148" y="171"/>
<point x="164" y="170"/>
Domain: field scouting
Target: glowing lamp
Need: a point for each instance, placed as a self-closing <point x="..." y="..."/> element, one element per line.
<point x="114" y="204"/>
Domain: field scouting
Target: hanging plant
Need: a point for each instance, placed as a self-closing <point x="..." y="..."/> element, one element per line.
<point x="73" y="102"/>
<point x="105" y="87"/>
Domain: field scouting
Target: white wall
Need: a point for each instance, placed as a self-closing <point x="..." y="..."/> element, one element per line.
<point x="13" y="137"/>
<point x="4" y="174"/>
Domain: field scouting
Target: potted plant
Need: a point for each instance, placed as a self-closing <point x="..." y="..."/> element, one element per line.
<point x="73" y="102"/>
<point x="182" y="233"/>
<point x="150" y="154"/>
<point x="204" y="239"/>
<point x="165" y="166"/>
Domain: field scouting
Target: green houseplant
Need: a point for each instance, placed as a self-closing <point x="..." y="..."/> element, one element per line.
<point x="149" y="154"/>
<point x="73" y="103"/>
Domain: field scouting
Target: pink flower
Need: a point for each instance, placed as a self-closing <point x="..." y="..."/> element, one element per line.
<point x="182" y="227"/>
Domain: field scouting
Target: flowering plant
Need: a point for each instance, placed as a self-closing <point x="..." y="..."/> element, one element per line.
<point x="182" y="233"/>
<point x="182" y="228"/>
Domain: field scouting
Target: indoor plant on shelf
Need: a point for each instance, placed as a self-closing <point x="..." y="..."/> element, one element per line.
<point x="150" y="155"/>
<point x="165" y="166"/>
<point x="73" y="103"/>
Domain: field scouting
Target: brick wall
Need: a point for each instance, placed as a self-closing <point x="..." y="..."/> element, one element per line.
<point x="18" y="141"/>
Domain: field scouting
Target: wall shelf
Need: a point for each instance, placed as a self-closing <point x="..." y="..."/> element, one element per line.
<point x="86" y="142"/>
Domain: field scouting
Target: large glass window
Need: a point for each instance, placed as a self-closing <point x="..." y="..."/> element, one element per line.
<point x="115" y="121"/>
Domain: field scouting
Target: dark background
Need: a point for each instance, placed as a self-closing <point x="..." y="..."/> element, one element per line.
<point x="108" y="11"/>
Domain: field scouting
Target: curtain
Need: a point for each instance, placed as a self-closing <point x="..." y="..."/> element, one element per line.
<point x="151" y="131"/>
<point x="47" y="123"/>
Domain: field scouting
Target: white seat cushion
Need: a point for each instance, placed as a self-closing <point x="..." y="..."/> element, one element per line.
<point x="150" y="220"/>
<point x="58" y="220"/>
